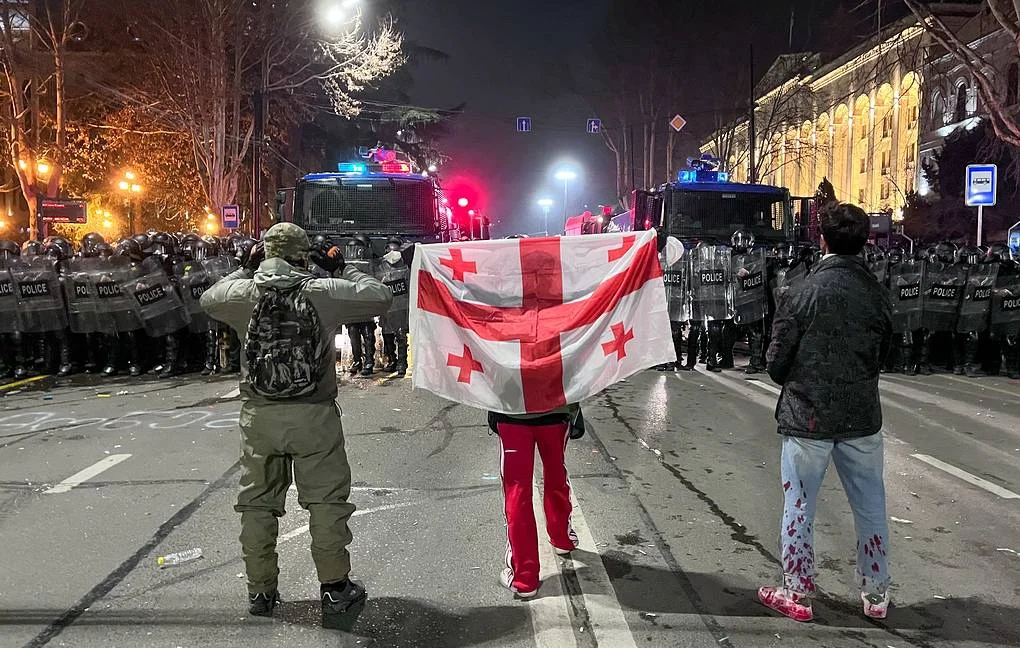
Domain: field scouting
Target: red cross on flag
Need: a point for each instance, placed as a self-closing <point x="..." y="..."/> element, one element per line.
<point x="528" y="325"/>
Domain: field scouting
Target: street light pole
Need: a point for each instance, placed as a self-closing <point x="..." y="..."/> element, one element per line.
<point x="545" y="204"/>
<point x="566" y="175"/>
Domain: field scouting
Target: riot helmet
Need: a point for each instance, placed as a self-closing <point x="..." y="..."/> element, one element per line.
<point x="243" y="251"/>
<point x="103" y="250"/>
<point x="58" y="248"/>
<point x="31" y="247"/>
<point x="9" y="250"/>
<point x="742" y="241"/>
<point x="142" y="240"/>
<point x="202" y="251"/>
<point x="395" y="243"/>
<point x="895" y="255"/>
<point x="130" y="248"/>
<point x="89" y="243"/>
<point x="997" y="253"/>
<point x="321" y="242"/>
<point x="969" y="255"/>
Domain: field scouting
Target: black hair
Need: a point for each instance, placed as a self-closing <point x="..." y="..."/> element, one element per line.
<point x="845" y="228"/>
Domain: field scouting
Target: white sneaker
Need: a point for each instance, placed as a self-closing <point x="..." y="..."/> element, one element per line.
<point x="876" y="606"/>
<point x="506" y="579"/>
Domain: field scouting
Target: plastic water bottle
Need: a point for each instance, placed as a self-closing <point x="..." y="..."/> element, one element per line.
<point x="178" y="558"/>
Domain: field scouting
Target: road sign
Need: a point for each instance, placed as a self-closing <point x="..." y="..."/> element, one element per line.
<point x="678" y="123"/>
<point x="594" y="126"/>
<point x="524" y="124"/>
<point x="229" y="214"/>
<point x="982" y="181"/>
<point x="61" y="210"/>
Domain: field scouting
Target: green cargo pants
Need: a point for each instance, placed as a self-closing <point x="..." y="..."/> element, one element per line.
<point x="308" y="438"/>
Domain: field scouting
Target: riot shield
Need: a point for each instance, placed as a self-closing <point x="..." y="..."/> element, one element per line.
<point x="113" y="302"/>
<point x="710" y="270"/>
<point x="906" y="283"/>
<point x="398" y="279"/>
<point x="747" y="285"/>
<point x="1006" y="304"/>
<point x="194" y="279"/>
<point x="360" y="258"/>
<point x="880" y="269"/>
<point x="39" y="295"/>
<point x="155" y="299"/>
<point x="84" y="314"/>
<point x="976" y="307"/>
<point x="677" y="278"/>
<point x="943" y="293"/>
<point x="8" y="304"/>
<point x="220" y="266"/>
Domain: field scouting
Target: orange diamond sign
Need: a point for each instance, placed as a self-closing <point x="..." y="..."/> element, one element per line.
<point x="678" y="123"/>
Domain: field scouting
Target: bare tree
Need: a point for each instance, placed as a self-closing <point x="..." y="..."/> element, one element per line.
<point x="1005" y="121"/>
<point x="33" y="53"/>
<point x="211" y="57"/>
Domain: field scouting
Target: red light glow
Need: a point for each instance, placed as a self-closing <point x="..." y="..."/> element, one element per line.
<point x="396" y="167"/>
<point x="463" y="202"/>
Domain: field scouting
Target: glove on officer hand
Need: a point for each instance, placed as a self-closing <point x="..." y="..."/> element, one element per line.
<point x="331" y="260"/>
<point x="255" y="257"/>
<point x="408" y="254"/>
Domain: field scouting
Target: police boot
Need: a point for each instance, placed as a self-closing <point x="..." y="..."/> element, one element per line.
<point x="233" y="347"/>
<point x="972" y="366"/>
<point x="368" y="346"/>
<point x="42" y="359"/>
<point x="957" y="352"/>
<point x="64" y="349"/>
<point x="93" y="342"/>
<point x="354" y="332"/>
<point x="390" y="352"/>
<point x="401" y="340"/>
<point x="1011" y="358"/>
<point x="173" y="347"/>
<point x="112" y="345"/>
<point x="755" y="347"/>
<point x="923" y="365"/>
<point x="211" y="352"/>
<point x="692" y="348"/>
<point x="135" y="354"/>
<point x="727" y="338"/>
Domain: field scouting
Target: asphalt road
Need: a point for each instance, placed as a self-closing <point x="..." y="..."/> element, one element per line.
<point x="679" y="508"/>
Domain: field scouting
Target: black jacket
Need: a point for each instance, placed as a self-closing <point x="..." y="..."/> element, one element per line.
<point x="830" y="335"/>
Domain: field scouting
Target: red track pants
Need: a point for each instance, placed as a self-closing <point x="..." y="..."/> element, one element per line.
<point x="517" y="447"/>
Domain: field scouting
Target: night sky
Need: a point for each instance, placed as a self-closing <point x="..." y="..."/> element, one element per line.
<point x="502" y="57"/>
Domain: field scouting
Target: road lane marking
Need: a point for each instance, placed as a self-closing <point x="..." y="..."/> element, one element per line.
<point x="234" y="393"/>
<point x="970" y="382"/>
<point x="550" y="615"/>
<point x="766" y="386"/>
<point x="369" y="489"/>
<point x="84" y="475"/>
<point x="290" y="535"/>
<point x="19" y="383"/>
<point x="608" y="623"/>
<point x="995" y="489"/>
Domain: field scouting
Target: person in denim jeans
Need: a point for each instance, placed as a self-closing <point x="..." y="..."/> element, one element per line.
<point x="830" y="336"/>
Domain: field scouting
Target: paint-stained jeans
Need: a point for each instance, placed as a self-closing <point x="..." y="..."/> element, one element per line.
<point x="859" y="463"/>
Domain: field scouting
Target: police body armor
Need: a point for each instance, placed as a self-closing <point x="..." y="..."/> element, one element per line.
<point x="8" y="303"/>
<point x="1005" y="316"/>
<point x="113" y="274"/>
<point x="748" y="287"/>
<point x="677" y="278"/>
<point x="397" y="277"/>
<point x="943" y="292"/>
<point x="360" y="258"/>
<point x="710" y="269"/>
<point x="906" y="290"/>
<point x="976" y="307"/>
<point x="40" y="299"/>
<point x="194" y="279"/>
<point x="155" y="299"/>
<point x="84" y="313"/>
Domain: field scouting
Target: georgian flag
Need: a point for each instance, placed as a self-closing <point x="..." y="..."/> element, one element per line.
<point x="529" y="325"/>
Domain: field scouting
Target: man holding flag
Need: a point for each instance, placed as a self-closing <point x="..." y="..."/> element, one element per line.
<point x="526" y="328"/>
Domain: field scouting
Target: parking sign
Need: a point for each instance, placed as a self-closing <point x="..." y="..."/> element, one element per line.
<point x="982" y="180"/>
<point x="230" y="216"/>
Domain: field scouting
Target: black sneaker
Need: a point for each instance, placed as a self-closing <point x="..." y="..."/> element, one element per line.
<point x="262" y="603"/>
<point x="337" y="600"/>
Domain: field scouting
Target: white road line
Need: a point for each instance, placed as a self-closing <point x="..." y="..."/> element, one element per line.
<point x="369" y="489"/>
<point x="84" y="475"/>
<point x="234" y="393"/>
<point x="550" y="616"/>
<point x="766" y="386"/>
<point x="967" y="477"/>
<point x="290" y="535"/>
<point x="609" y="625"/>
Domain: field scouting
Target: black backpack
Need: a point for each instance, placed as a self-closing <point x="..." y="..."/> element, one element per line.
<point x="285" y="352"/>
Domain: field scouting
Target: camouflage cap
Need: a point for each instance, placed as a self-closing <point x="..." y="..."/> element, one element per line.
<point x="286" y="241"/>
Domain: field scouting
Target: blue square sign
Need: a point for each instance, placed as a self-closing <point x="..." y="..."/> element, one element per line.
<point x="524" y="124"/>
<point x="229" y="214"/>
<point x="981" y="185"/>
<point x="594" y="126"/>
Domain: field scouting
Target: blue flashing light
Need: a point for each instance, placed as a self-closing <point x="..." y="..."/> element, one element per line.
<point x="687" y="176"/>
<point x="354" y="168"/>
<point x="697" y="176"/>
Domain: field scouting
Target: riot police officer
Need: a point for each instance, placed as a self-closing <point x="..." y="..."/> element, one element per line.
<point x="394" y="271"/>
<point x="361" y="255"/>
<point x="1005" y="308"/>
<point x="747" y="283"/>
<point x="712" y="302"/>
<point x="42" y="314"/>
<point x="975" y="310"/>
<point x="10" y="339"/>
<point x="676" y="276"/>
<point x="169" y="330"/>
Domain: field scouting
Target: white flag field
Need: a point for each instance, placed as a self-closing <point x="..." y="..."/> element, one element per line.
<point x="528" y="325"/>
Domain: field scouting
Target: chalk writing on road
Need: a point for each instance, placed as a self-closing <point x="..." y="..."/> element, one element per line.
<point x="141" y="420"/>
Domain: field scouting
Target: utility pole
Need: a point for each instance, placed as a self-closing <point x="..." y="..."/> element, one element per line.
<point x="752" y="128"/>
<point x="259" y="106"/>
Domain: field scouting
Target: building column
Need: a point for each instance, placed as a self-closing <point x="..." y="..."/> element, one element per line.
<point x="849" y="173"/>
<point x="894" y="156"/>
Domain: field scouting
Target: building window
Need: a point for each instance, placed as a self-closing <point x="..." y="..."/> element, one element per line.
<point x="961" y="103"/>
<point x="885" y="191"/>
<point x="864" y="165"/>
<point x="1012" y="84"/>
<point x="938" y="110"/>
<point x="887" y="124"/>
<point x="885" y="162"/>
<point x="860" y="196"/>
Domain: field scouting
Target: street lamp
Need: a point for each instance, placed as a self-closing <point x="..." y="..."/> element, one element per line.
<point x="129" y="187"/>
<point x="565" y="175"/>
<point x="336" y="12"/>
<point x="545" y="204"/>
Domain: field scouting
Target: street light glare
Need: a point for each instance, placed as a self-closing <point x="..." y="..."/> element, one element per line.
<point x="338" y="12"/>
<point x="136" y="188"/>
<point x="42" y="167"/>
<point x="124" y="185"/>
<point x="545" y="202"/>
<point x="565" y="175"/>
<point x="130" y="175"/>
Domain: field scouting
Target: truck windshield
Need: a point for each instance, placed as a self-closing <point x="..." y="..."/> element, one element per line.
<point x="344" y="206"/>
<point x="707" y="215"/>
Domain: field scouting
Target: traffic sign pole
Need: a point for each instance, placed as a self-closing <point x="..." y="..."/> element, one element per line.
<point x="981" y="223"/>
